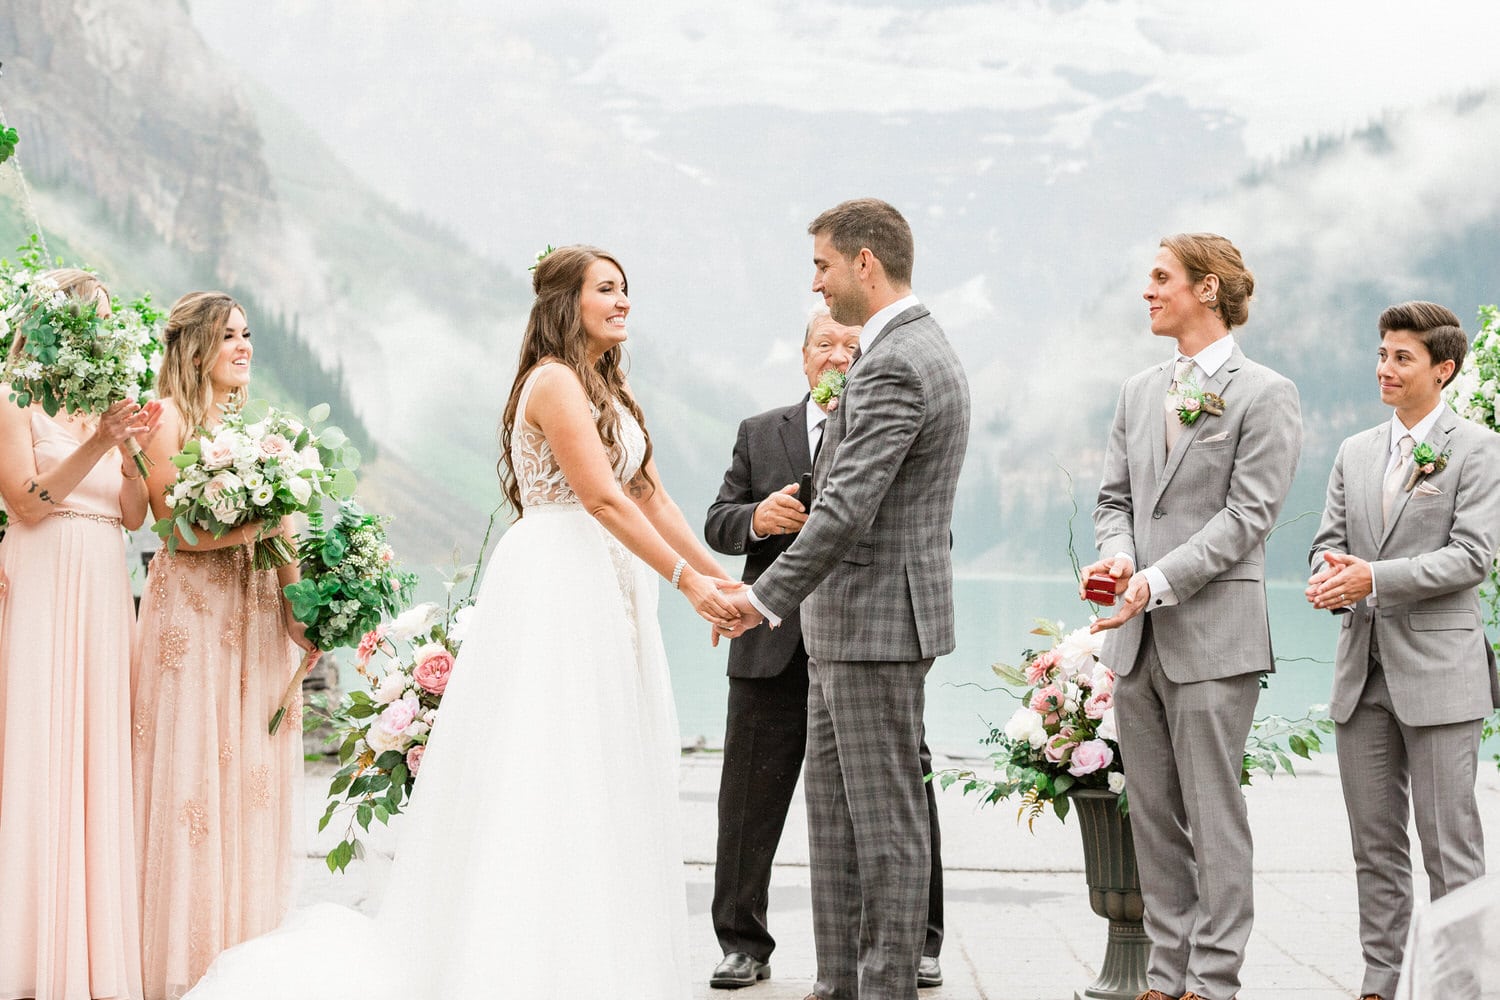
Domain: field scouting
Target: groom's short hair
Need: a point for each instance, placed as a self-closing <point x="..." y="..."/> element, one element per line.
<point x="870" y="223"/>
<point x="1437" y="327"/>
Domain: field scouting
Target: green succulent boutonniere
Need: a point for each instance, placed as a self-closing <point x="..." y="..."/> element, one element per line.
<point x="1193" y="402"/>
<point x="1425" y="461"/>
<point x="829" y="388"/>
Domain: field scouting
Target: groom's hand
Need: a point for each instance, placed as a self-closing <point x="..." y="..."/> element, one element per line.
<point x="1119" y="567"/>
<point x="1132" y="603"/>
<point x="739" y="598"/>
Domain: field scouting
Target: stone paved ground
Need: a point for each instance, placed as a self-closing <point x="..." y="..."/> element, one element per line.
<point x="1019" y="924"/>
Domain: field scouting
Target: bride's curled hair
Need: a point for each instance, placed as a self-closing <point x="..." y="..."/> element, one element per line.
<point x="554" y="330"/>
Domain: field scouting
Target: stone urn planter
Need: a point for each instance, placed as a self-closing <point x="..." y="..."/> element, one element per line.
<point x="1114" y="893"/>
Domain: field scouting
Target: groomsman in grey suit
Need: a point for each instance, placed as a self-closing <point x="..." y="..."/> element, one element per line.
<point x="1199" y="461"/>
<point x="1408" y="534"/>
<point x="873" y="575"/>
<point x="757" y="514"/>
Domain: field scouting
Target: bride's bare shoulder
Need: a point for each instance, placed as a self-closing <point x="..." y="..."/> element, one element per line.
<point x="555" y="388"/>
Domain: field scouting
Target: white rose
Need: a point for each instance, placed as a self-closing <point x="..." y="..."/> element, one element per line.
<point x="1078" y="650"/>
<point x="1107" y="729"/>
<point x="417" y="728"/>
<point x="301" y="489"/>
<point x="380" y="741"/>
<point x="309" y="458"/>
<point x="391" y="687"/>
<point x="1116" y="782"/>
<point x="414" y="621"/>
<point x="1026" y="725"/>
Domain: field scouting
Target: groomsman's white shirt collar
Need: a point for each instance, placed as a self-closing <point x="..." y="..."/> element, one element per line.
<point x="1207" y="364"/>
<point x="1212" y="358"/>
<point x="867" y="336"/>
<point x="815" y="418"/>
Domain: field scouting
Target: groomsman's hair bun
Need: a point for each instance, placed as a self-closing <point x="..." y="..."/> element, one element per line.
<point x="1202" y="254"/>
<point x="1437" y="327"/>
<point x="869" y="223"/>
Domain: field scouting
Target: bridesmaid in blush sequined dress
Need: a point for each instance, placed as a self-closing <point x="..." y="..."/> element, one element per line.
<point x="68" y="926"/>
<point x="216" y="795"/>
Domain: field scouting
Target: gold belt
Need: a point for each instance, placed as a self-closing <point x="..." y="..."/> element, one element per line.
<point x="101" y="518"/>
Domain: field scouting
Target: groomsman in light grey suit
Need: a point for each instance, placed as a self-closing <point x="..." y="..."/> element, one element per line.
<point x="872" y="572"/>
<point x="1199" y="461"/>
<point x="1408" y="534"/>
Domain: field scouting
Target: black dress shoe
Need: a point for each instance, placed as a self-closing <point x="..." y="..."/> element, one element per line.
<point x="929" y="973"/>
<point x="738" y="969"/>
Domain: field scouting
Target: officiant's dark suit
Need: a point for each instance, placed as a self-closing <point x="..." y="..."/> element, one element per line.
<point x="766" y="726"/>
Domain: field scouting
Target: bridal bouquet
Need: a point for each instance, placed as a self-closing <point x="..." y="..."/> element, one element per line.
<point x="259" y="464"/>
<point x="74" y="360"/>
<point x="1064" y="735"/>
<point x="349" y="582"/>
<point x="381" y="732"/>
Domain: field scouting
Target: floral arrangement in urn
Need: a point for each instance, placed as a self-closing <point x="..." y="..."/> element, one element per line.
<point x="1064" y="735"/>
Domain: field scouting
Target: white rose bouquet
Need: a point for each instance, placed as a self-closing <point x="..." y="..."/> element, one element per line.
<point x="74" y="360"/>
<point x="259" y="464"/>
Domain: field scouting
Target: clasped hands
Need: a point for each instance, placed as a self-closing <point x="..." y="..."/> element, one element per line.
<point x="1343" y="581"/>
<point x="1130" y="587"/>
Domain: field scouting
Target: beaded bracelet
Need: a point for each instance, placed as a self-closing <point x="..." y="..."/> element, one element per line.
<point x="677" y="573"/>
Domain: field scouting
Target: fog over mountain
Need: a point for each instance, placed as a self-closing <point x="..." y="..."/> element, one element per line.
<point x="384" y="173"/>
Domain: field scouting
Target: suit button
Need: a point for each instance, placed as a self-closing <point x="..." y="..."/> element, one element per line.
<point x="1158" y="514"/>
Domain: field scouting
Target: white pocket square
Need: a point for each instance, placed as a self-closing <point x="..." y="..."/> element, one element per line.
<point x="1427" y="490"/>
<point x="1214" y="437"/>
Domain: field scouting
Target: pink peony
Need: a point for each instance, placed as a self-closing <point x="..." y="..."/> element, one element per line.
<point x="1037" y="669"/>
<point x="1098" y="704"/>
<point x="369" y="644"/>
<point x="1191" y="405"/>
<point x="216" y="454"/>
<point x="414" y="758"/>
<point x="398" y="715"/>
<point x="1048" y="703"/>
<point x="275" y="446"/>
<point x="1090" y="756"/>
<point x="434" y="664"/>
<point x="1060" y="746"/>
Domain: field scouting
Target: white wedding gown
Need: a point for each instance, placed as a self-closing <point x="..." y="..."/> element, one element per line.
<point x="541" y="856"/>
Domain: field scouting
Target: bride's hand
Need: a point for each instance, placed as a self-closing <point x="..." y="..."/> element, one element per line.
<point x="703" y="593"/>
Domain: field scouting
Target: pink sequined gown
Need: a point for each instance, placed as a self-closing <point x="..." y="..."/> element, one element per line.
<point x="68" y="927"/>
<point x="216" y="797"/>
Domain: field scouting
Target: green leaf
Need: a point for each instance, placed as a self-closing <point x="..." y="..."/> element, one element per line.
<point x="362" y="815"/>
<point x="255" y="411"/>
<point x="1297" y="745"/>
<point x="185" y="529"/>
<point x="389" y="760"/>
<point x="332" y="438"/>
<point x="318" y="414"/>
<point x="327" y="815"/>
<point x="340" y="783"/>
<point x="344" y="483"/>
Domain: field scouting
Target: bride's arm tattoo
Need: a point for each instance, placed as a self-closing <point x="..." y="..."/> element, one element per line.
<point x="637" y="486"/>
<point x="43" y="496"/>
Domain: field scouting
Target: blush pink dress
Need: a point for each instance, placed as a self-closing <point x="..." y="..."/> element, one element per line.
<point x="217" y="797"/>
<point x="68" y="918"/>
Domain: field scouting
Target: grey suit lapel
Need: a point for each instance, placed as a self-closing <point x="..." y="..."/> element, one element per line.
<point x="900" y="319"/>
<point x="1439" y="441"/>
<point x="1217" y="384"/>
<point x="1156" y="394"/>
<point x="1370" y="469"/>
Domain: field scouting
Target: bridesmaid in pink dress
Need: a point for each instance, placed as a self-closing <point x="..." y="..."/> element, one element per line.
<point x="68" y="918"/>
<point x="216" y="647"/>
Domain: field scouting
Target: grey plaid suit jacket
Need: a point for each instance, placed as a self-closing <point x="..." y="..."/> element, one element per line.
<point x="872" y="568"/>
<point x="1201" y="515"/>
<point x="1428" y="564"/>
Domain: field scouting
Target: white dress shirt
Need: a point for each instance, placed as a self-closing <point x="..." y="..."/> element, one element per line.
<point x="1206" y="364"/>
<point x="867" y="336"/>
<point x="816" y="421"/>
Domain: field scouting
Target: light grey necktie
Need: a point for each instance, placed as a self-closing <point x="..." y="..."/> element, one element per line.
<point x="1395" y="478"/>
<point x="1173" y="400"/>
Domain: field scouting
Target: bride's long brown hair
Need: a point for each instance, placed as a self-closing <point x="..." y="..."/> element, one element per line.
<point x="555" y="330"/>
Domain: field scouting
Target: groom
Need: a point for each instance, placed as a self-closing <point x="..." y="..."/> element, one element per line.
<point x="872" y="572"/>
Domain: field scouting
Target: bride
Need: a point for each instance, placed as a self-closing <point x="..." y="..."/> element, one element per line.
<point x="515" y="878"/>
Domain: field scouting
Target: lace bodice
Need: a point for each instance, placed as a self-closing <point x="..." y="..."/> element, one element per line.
<point x="538" y="477"/>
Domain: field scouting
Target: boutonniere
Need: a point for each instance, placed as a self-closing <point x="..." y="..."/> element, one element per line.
<point x="1425" y="461"/>
<point x="829" y="388"/>
<point x="1193" y="403"/>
